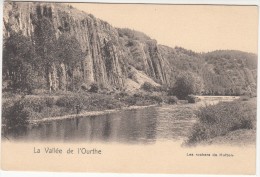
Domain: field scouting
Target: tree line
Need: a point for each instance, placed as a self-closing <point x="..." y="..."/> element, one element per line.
<point x="28" y="62"/>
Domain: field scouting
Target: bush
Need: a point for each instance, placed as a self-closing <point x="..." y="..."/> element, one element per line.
<point x="155" y="98"/>
<point x="93" y="88"/>
<point x="71" y="101"/>
<point x="162" y="88"/>
<point x="147" y="87"/>
<point x="130" y="101"/>
<point x="187" y="83"/>
<point x="36" y="107"/>
<point x="6" y="106"/>
<point x="16" y="118"/>
<point x="50" y="102"/>
<point x="102" y="102"/>
<point x="142" y="99"/>
<point x="220" y="119"/>
<point x="94" y="102"/>
<point x="192" y="99"/>
<point x="172" y="100"/>
<point x="36" y="103"/>
<point x="121" y="95"/>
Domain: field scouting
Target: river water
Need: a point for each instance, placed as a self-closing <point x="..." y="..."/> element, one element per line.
<point x="147" y="125"/>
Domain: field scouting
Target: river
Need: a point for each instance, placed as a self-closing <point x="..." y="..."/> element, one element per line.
<point x="148" y="125"/>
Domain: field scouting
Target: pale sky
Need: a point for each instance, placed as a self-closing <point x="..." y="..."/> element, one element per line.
<point x="196" y="27"/>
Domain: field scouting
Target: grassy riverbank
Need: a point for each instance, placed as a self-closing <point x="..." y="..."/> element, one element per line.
<point x="228" y="122"/>
<point x="225" y="123"/>
<point x="41" y="106"/>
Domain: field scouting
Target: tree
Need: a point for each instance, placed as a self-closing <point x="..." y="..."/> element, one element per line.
<point x="19" y="61"/>
<point x="187" y="83"/>
<point x="16" y="118"/>
<point x="45" y="40"/>
<point x="69" y="52"/>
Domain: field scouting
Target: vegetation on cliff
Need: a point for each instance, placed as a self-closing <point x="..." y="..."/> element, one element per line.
<point x="223" y="72"/>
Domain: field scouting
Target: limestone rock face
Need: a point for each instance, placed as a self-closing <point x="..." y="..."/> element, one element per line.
<point x="107" y="58"/>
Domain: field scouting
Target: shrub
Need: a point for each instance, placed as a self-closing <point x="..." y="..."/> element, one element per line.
<point x="192" y="99"/>
<point x="218" y="120"/>
<point x="64" y="101"/>
<point x="130" y="101"/>
<point x="162" y="88"/>
<point x="50" y="102"/>
<point x="102" y="102"/>
<point x="155" y="98"/>
<point x="71" y="101"/>
<point x="147" y="87"/>
<point x="16" y="118"/>
<point x="94" y="102"/>
<point x="187" y="83"/>
<point x="199" y="133"/>
<point x="74" y="103"/>
<point x="36" y="103"/>
<point x="93" y="88"/>
<point x="6" y="105"/>
<point x="36" y="107"/>
<point x="139" y="94"/>
<point x="142" y="99"/>
<point x="171" y="100"/>
<point x="121" y="95"/>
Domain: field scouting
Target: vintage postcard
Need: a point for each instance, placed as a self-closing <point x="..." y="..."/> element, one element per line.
<point x="129" y="88"/>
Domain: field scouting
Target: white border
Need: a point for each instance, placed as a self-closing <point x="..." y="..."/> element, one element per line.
<point x="52" y="174"/>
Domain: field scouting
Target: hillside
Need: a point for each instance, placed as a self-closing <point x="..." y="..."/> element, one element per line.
<point x="232" y="71"/>
<point x="55" y="47"/>
<point x="224" y="72"/>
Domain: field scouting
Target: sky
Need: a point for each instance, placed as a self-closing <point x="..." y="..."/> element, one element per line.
<point x="200" y="28"/>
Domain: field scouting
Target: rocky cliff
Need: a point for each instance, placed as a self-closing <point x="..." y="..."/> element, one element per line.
<point x="113" y="58"/>
<point x="106" y="60"/>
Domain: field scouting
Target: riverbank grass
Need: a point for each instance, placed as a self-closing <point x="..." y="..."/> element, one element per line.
<point x="38" y="107"/>
<point x="221" y="119"/>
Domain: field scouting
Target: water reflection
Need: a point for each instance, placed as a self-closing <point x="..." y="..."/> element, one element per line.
<point x="128" y="126"/>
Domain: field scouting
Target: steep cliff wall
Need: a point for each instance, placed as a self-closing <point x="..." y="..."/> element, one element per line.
<point x="145" y="56"/>
<point x="106" y="60"/>
<point x="113" y="58"/>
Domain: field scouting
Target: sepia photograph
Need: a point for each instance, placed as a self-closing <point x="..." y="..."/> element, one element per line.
<point x="175" y="83"/>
